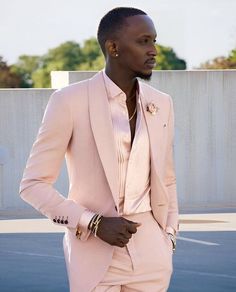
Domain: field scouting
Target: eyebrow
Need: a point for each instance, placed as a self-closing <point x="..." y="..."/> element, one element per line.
<point x="148" y="36"/>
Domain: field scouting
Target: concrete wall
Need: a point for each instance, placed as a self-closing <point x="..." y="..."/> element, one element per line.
<point x="205" y="144"/>
<point x="205" y="136"/>
<point x="63" y="78"/>
<point x="21" y="113"/>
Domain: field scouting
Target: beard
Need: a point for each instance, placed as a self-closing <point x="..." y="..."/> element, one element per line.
<point x="144" y="76"/>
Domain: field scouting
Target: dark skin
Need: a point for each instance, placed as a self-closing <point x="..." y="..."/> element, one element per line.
<point x="130" y="54"/>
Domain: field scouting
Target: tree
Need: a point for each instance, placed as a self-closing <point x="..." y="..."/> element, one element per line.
<point x="221" y="62"/>
<point x="167" y="59"/>
<point x="65" y="57"/>
<point x="25" y="68"/>
<point x="232" y="59"/>
<point x="93" y="57"/>
<point x="71" y="56"/>
<point x="94" y="65"/>
<point x="91" y="50"/>
<point x="8" y="79"/>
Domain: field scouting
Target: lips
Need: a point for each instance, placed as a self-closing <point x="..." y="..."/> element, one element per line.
<point x="151" y="63"/>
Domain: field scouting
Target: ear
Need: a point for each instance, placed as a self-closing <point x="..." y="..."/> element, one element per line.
<point x="111" y="48"/>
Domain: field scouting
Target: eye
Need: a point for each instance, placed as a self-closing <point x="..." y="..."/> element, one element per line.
<point x="144" y="41"/>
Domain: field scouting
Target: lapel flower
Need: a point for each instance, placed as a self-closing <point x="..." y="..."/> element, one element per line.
<point x="152" y="108"/>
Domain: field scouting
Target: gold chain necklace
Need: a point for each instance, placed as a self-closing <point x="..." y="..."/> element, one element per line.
<point x="131" y="98"/>
<point x="133" y="113"/>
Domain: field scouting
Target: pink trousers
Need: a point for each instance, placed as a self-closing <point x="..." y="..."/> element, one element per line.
<point x="145" y="264"/>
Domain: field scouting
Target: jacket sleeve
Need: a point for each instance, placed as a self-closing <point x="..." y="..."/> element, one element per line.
<point x="44" y="164"/>
<point x="170" y="178"/>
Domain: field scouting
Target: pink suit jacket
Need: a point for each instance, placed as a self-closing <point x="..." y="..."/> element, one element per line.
<point x="77" y="124"/>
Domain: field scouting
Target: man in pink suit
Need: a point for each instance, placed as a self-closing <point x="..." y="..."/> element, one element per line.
<point x="116" y="133"/>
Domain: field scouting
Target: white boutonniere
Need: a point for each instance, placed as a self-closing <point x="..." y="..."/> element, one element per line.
<point x="152" y="108"/>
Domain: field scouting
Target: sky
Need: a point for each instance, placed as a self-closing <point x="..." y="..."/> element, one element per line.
<point x="197" y="30"/>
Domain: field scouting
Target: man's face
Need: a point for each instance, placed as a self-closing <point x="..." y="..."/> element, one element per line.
<point x="136" y="46"/>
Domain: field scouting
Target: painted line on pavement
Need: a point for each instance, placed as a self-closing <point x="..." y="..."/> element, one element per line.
<point x="33" y="254"/>
<point x="206" y="274"/>
<point x="196" y="241"/>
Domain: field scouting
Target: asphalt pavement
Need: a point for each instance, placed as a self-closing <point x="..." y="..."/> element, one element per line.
<point x="31" y="255"/>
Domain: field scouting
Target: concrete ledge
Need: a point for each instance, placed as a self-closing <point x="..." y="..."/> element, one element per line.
<point x="188" y="222"/>
<point x="208" y="222"/>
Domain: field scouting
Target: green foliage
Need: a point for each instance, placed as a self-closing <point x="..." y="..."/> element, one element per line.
<point x="167" y="59"/>
<point x="41" y="78"/>
<point x="91" y="50"/>
<point x="25" y="68"/>
<point x="8" y="79"/>
<point x="93" y="57"/>
<point x="71" y="56"/>
<point x="232" y="59"/>
<point x="35" y="70"/>
<point x="221" y="62"/>
<point x="94" y="65"/>
<point x="64" y="57"/>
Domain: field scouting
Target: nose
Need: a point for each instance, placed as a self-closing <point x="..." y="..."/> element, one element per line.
<point x="152" y="51"/>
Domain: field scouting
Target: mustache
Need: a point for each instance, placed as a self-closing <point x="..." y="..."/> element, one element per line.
<point x="150" y="61"/>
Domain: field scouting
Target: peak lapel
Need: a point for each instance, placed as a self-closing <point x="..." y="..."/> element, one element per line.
<point x="102" y="128"/>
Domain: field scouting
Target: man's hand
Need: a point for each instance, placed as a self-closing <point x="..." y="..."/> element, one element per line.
<point x="116" y="230"/>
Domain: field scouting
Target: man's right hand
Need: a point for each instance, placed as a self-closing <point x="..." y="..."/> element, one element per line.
<point x="116" y="230"/>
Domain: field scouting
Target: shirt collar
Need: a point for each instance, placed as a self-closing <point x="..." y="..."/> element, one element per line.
<point x="114" y="90"/>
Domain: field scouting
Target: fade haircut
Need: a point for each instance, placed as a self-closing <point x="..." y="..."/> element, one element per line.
<point x="112" y="23"/>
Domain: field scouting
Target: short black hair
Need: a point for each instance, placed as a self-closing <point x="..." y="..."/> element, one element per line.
<point x="113" y="21"/>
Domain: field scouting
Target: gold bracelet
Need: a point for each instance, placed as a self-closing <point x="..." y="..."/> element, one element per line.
<point x="96" y="227"/>
<point x="96" y="222"/>
<point x="91" y="223"/>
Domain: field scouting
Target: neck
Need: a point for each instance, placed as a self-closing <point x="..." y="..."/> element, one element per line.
<point x="126" y="83"/>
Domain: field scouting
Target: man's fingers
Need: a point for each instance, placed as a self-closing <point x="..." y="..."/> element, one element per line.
<point x="132" y="227"/>
<point x="132" y="222"/>
<point x="127" y="235"/>
<point x="121" y="242"/>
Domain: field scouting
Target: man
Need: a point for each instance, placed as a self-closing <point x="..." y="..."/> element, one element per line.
<point x="116" y="132"/>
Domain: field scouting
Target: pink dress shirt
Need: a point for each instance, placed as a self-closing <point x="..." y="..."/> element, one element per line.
<point x="133" y="162"/>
